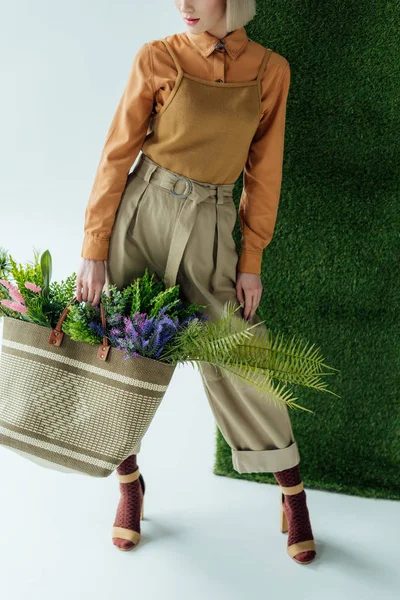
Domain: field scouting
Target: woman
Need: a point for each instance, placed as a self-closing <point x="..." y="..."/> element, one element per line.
<point x="201" y="105"/>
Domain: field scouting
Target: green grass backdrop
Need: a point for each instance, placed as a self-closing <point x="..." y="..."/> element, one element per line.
<point x="331" y="271"/>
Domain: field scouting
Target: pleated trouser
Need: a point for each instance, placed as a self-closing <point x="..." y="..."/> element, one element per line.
<point x="181" y="228"/>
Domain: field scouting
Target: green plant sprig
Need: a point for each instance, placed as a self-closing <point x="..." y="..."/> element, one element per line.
<point x="256" y="357"/>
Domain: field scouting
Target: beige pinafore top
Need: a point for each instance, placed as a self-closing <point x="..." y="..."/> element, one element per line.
<point x="205" y="128"/>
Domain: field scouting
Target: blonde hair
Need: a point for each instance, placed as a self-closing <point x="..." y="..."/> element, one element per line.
<point x="239" y="13"/>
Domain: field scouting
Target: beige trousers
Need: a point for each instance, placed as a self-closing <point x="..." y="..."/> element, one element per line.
<point x="182" y="229"/>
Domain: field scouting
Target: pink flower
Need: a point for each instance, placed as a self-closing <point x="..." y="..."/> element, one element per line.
<point x="33" y="287"/>
<point x="21" y="308"/>
<point x="6" y="283"/>
<point x="15" y="295"/>
<point x="13" y="291"/>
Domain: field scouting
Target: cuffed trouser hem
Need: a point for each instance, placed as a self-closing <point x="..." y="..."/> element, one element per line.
<point x="265" y="461"/>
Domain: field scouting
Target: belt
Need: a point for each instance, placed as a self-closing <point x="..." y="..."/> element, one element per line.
<point x="193" y="192"/>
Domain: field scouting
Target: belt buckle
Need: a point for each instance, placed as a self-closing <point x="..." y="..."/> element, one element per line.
<point x="184" y="195"/>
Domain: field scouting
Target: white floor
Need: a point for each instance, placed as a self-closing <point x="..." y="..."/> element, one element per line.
<point x="202" y="536"/>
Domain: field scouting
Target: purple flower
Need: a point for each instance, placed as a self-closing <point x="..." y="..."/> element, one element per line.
<point x="141" y="335"/>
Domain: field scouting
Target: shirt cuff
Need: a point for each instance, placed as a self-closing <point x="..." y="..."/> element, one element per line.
<point x="250" y="262"/>
<point x="94" y="247"/>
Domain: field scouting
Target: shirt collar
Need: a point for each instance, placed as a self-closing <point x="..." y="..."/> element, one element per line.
<point x="235" y="42"/>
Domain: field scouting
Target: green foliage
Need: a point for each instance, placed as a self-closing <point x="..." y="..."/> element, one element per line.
<point x="38" y="309"/>
<point x="64" y="291"/>
<point x="46" y="269"/>
<point x="18" y="274"/>
<point x="30" y="272"/>
<point x="5" y="265"/>
<point x="256" y="357"/>
<point x="159" y="297"/>
<point x="4" y="311"/>
<point x="76" y="323"/>
<point x="44" y="308"/>
<point x="60" y="294"/>
<point x="146" y="291"/>
<point x="117" y="302"/>
<point x="145" y="295"/>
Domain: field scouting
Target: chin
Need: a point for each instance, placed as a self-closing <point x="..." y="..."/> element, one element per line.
<point x="195" y="28"/>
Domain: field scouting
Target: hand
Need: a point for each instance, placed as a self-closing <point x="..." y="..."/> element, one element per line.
<point x="90" y="281"/>
<point x="249" y="290"/>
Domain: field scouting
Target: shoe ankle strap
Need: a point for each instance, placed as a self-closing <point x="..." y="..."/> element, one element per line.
<point x="294" y="489"/>
<point x="129" y="477"/>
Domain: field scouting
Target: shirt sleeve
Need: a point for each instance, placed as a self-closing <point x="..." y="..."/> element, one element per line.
<point x="262" y="175"/>
<point x="123" y="142"/>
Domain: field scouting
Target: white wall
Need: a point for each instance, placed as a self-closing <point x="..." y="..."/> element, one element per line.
<point x="64" y="65"/>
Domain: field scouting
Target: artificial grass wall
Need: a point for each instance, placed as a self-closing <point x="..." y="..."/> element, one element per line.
<point x="331" y="271"/>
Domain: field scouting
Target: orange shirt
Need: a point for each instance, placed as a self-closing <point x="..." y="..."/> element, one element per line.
<point x="150" y="82"/>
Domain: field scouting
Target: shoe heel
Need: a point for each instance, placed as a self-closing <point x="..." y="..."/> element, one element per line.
<point x="284" y="523"/>
<point x="143" y="493"/>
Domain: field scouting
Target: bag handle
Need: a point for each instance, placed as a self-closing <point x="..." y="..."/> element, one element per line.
<point x="57" y="335"/>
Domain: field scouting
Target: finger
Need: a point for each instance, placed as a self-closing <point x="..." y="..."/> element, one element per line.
<point x="239" y="293"/>
<point x="256" y="304"/>
<point x="78" y="292"/>
<point x="97" y="297"/>
<point x="253" y="306"/>
<point x="91" y="294"/>
<point x="244" y="304"/>
<point x="249" y="304"/>
<point x="84" y="292"/>
<point x="253" y="311"/>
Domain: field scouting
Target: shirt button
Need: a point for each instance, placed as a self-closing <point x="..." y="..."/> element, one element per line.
<point x="219" y="80"/>
<point x="220" y="45"/>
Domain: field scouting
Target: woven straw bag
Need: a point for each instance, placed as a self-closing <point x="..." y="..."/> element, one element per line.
<point x="73" y="406"/>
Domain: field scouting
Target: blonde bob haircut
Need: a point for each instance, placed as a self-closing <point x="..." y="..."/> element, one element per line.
<point x="239" y="13"/>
